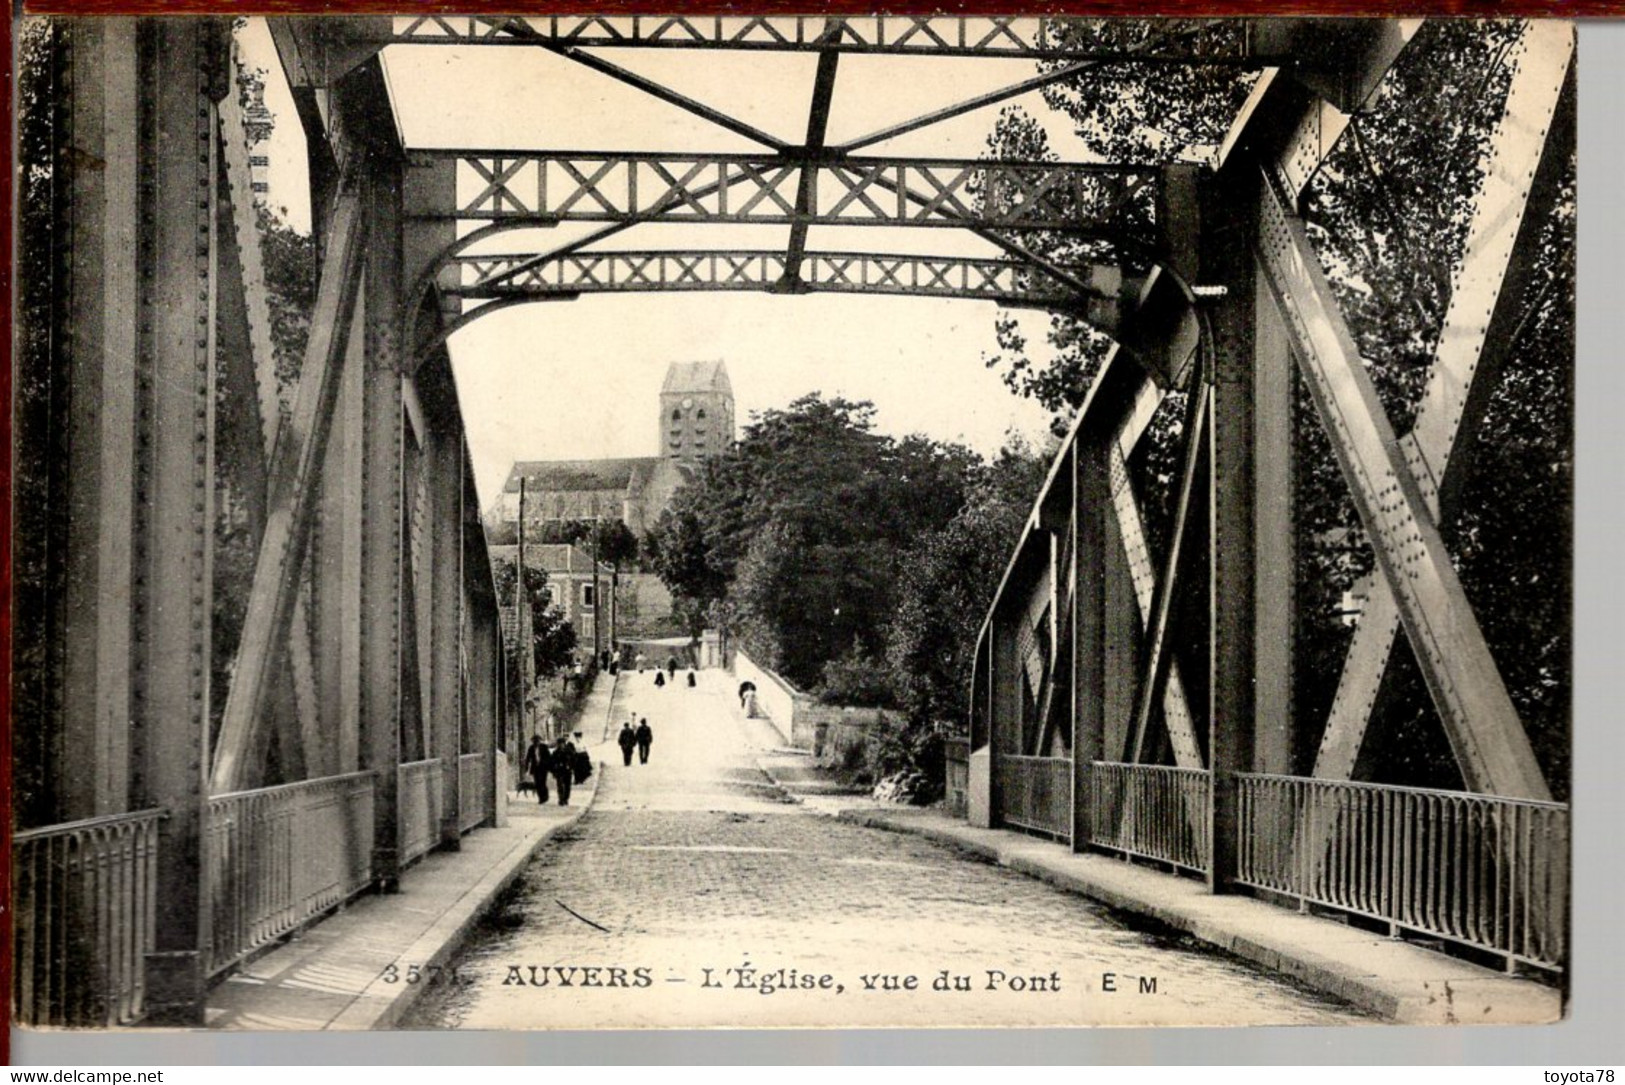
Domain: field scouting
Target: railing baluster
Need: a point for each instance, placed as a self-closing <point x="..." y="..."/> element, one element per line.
<point x="1476" y="869"/>
<point x="80" y="929"/>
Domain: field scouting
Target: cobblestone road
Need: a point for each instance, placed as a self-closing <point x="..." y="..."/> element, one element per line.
<point x="693" y="888"/>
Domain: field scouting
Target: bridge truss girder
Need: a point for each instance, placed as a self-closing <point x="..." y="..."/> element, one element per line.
<point x="1083" y="565"/>
<point x="184" y="444"/>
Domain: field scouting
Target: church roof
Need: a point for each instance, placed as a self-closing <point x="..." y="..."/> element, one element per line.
<point x="709" y="376"/>
<point x="566" y="476"/>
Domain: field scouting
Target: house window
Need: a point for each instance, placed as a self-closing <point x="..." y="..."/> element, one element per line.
<point x="676" y="414"/>
<point x="700" y="413"/>
<point x="587" y="600"/>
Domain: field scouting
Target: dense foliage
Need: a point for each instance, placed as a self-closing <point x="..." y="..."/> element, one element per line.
<point x="796" y="539"/>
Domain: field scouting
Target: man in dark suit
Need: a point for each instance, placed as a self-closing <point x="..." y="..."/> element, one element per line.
<point x="538" y="763"/>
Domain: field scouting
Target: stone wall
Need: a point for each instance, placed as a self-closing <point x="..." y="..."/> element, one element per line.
<point x="829" y="730"/>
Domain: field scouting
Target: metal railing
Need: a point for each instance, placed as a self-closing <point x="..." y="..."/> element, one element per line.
<point x="1476" y="869"/>
<point x="473" y="790"/>
<point x="1035" y="793"/>
<point x="83" y="914"/>
<point x="279" y="857"/>
<point x="1151" y="811"/>
<point x="421" y="785"/>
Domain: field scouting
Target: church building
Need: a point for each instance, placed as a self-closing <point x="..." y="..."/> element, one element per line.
<point x="696" y="420"/>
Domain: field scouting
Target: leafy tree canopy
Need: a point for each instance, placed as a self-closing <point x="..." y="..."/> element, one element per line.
<point x="799" y="529"/>
<point x="553" y="638"/>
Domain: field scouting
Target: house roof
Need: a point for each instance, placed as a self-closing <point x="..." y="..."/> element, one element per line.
<point x="566" y="476"/>
<point x="711" y="376"/>
<point x="552" y="558"/>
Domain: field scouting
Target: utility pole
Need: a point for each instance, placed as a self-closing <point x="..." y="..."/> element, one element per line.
<point x="521" y="600"/>
<point x="597" y="600"/>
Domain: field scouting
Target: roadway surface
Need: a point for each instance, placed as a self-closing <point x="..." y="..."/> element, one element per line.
<point x="693" y="888"/>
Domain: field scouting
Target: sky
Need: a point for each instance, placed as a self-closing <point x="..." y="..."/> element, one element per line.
<point x="580" y="379"/>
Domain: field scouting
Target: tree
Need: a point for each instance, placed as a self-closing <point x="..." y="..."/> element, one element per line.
<point x="553" y="638"/>
<point x="800" y="527"/>
<point x="947" y="584"/>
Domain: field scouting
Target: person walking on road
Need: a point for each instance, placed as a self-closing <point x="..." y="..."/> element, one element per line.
<point x="538" y="762"/>
<point x="645" y="739"/>
<point x="627" y="739"/>
<point x="564" y="755"/>
<point x="660" y="679"/>
<point x="692" y="681"/>
<point x="671" y="668"/>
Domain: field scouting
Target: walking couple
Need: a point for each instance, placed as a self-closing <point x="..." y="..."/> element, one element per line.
<point x="641" y="738"/>
<point x="568" y="763"/>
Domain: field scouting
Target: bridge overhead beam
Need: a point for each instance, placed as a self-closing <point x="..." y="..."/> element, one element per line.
<point x="1207" y="42"/>
<point x="1008" y="282"/>
<point x="805" y="189"/>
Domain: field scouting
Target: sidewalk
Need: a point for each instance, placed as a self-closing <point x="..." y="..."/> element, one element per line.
<point x="1404" y="983"/>
<point x="336" y="974"/>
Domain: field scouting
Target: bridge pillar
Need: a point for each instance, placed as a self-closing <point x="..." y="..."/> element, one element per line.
<point x="383" y="508"/>
<point x="180" y="62"/>
<point x="1091" y="503"/>
<point x="99" y="335"/>
<point x="1250" y="471"/>
<point x="1120" y="642"/>
<point x="446" y="624"/>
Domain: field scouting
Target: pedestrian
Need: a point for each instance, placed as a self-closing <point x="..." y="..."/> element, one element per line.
<point x="564" y="755"/>
<point x="627" y="739"/>
<point x="646" y="738"/>
<point x="538" y="762"/>
<point x="581" y="763"/>
<point x="745" y="688"/>
<point x="671" y="667"/>
<point x="691" y="680"/>
<point x="660" y="678"/>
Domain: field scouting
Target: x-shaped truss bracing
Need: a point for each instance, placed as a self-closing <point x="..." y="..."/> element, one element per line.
<point x="1008" y="282"/>
<point x="763" y="189"/>
<point x="1029" y="38"/>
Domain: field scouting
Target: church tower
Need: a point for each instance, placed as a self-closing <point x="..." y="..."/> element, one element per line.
<point x="696" y="411"/>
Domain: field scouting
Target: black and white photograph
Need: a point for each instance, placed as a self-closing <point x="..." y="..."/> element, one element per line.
<point x="576" y="522"/>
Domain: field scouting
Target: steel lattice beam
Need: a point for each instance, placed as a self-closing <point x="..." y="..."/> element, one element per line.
<point x="1008" y="282"/>
<point x="952" y="36"/>
<point x="1483" y="726"/>
<point x="547" y="188"/>
<point x="1477" y="335"/>
<point x="291" y="498"/>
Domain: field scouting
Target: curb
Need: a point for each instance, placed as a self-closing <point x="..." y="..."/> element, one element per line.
<point x="1461" y="993"/>
<point x="380" y="1005"/>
